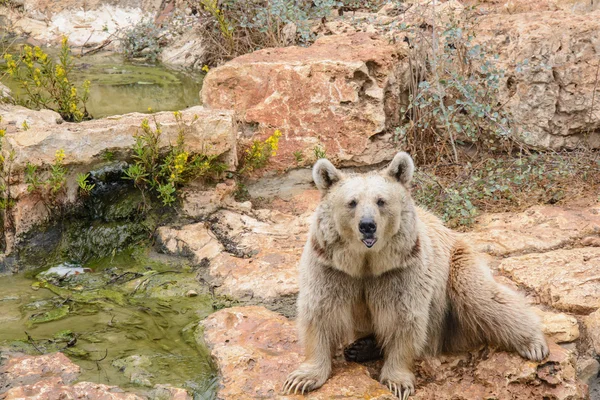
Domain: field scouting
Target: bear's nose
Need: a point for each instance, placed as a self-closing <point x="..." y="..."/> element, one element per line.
<point x="367" y="226"/>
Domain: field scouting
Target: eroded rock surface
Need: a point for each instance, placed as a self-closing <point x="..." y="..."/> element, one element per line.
<point x="568" y="280"/>
<point x="255" y="349"/>
<point x="49" y="377"/>
<point x="538" y="229"/>
<point x="339" y="93"/>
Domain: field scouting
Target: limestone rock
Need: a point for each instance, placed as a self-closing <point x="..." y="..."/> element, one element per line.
<point x="262" y="253"/>
<point x="500" y="375"/>
<point x="255" y="349"/>
<point x="49" y="377"/>
<point x="538" y="229"/>
<point x="560" y="327"/>
<point x="186" y="51"/>
<point x="592" y="323"/>
<point x="19" y="119"/>
<point x="340" y="93"/>
<point x="588" y="369"/>
<point x="195" y="241"/>
<point x="209" y="132"/>
<point x="568" y="280"/>
<point x="550" y="79"/>
<point x="199" y="202"/>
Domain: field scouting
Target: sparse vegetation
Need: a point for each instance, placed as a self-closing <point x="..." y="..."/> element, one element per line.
<point x="258" y="154"/>
<point x="49" y="84"/>
<point x="164" y="171"/>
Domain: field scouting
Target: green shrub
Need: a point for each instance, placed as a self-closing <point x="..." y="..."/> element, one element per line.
<point x="47" y="84"/>
<point x="164" y="172"/>
<point x="144" y="40"/>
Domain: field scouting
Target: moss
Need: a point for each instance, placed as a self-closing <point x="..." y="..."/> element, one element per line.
<point x="50" y="315"/>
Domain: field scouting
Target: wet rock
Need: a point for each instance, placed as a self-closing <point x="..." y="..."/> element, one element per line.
<point x="166" y="392"/>
<point x="191" y="293"/>
<point x="341" y="93"/>
<point x="560" y="327"/>
<point x="592" y="323"/>
<point x="195" y="241"/>
<point x="567" y="280"/>
<point x="261" y="253"/>
<point x="255" y="349"/>
<point x="134" y="368"/>
<point x="49" y="377"/>
<point x="550" y="74"/>
<point x="538" y="229"/>
<point x="53" y="388"/>
<point x="24" y="370"/>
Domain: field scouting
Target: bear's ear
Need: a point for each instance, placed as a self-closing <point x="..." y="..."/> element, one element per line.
<point x="325" y="174"/>
<point x="401" y="168"/>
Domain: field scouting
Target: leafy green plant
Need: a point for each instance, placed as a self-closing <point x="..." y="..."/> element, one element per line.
<point x="298" y="157"/>
<point x="165" y="171"/>
<point x="5" y="173"/>
<point x="48" y="183"/>
<point x="319" y="152"/>
<point x="84" y="186"/>
<point x="47" y="84"/>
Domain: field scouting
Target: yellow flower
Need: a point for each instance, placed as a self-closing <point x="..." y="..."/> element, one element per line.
<point x="2" y="132"/>
<point x="205" y="68"/>
<point x="59" y="156"/>
<point x="64" y="40"/>
<point x="73" y="92"/>
<point x="60" y="71"/>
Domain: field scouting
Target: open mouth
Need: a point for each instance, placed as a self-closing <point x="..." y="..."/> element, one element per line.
<point x="369" y="242"/>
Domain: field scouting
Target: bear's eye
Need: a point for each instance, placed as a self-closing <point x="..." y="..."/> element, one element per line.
<point x="352" y="204"/>
<point x="381" y="202"/>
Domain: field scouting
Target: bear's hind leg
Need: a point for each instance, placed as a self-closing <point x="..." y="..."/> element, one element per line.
<point x="486" y="311"/>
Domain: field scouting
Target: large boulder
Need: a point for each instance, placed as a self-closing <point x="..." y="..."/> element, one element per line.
<point x="342" y="93"/>
<point x="551" y="84"/>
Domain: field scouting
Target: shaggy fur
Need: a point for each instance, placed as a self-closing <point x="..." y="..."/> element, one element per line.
<point x="420" y="289"/>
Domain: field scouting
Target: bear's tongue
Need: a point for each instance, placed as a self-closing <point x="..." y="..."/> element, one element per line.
<point x="369" y="242"/>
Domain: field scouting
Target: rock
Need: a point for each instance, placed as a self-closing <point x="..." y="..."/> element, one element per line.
<point x="191" y="293"/>
<point x="588" y="369"/>
<point x="560" y="327"/>
<point x="342" y="93"/>
<point x="538" y="229"/>
<point x="255" y="349"/>
<point x="568" y="280"/>
<point x="5" y="93"/>
<point x="134" y="368"/>
<point x="262" y="253"/>
<point x="200" y="203"/>
<point x="85" y="144"/>
<point x="166" y="392"/>
<point x="48" y="377"/>
<point x="592" y="323"/>
<point x="499" y="375"/>
<point x="24" y="370"/>
<point x="552" y="95"/>
<point x="20" y="119"/>
<point x="53" y="388"/>
<point x="195" y="241"/>
<point x="186" y="51"/>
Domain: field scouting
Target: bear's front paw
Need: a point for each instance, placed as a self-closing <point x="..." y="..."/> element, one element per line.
<point x="536" y="349"/>
<point x="401" y="384"/>
<point x="304" y="379"/>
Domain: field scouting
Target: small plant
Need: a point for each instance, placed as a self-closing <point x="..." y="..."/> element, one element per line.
<point x="84" y="186"/>
<point x="143" y="40"/>
<point x="259" y="153"/>
<point x="47" y="84"/>
<point x="236" y="27"/>
<point x="25" y="125"/>
<point x="298" y="157"/>
<point x="166" y="171"/>
<point x="319" y="152"/>
<point x="5" y="172"/>
<point x="49" y="183"/>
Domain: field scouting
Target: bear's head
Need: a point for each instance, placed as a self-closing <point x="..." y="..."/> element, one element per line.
<point x="367" y="208"/>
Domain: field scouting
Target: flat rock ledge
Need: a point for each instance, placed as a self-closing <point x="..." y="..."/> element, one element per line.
<point x="51" y="377"/>
<point x="255" y="349"/>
